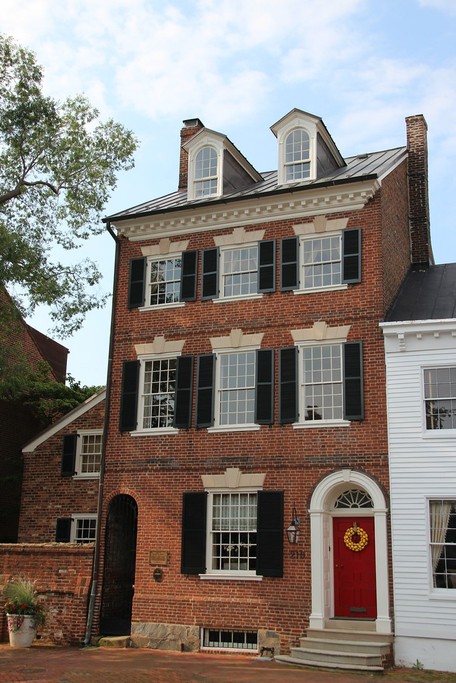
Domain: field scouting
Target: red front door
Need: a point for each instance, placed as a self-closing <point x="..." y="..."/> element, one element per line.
<point x="354" y="571"/>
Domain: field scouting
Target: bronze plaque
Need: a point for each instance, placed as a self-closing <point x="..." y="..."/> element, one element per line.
<point x="159" y="557"/>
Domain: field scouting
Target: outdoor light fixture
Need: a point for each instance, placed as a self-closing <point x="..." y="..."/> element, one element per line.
<point x="293" y="529"/>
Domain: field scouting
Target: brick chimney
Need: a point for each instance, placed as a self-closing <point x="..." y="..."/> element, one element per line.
<point x="190" y="128"/>
<point x="420" y="237"/>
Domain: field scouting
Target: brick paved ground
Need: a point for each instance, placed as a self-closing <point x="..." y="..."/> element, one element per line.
<point x="42" y="664"/>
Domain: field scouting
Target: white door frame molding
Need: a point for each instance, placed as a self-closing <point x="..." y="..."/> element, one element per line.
<point x="321" y="515"/>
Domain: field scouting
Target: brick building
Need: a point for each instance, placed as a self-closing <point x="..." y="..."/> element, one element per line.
<point x="21" y="346"/>
<point x="247" y="395"/>
<point x="61" y="477"/>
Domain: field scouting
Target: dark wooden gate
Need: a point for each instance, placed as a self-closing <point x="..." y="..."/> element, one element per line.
<point x="119" y="566"/>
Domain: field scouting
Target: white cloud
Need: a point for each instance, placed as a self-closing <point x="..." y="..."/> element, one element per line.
<point x="445" y="5"/>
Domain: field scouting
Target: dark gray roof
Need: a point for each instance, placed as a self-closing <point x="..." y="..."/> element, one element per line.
<point x="428" y="294"/>
<point x="361" y="167"/>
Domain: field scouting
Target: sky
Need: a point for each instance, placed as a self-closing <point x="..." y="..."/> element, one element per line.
<point x="239" y="66"/>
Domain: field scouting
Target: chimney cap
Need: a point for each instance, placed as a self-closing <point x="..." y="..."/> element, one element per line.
<point x="193" y="123"/>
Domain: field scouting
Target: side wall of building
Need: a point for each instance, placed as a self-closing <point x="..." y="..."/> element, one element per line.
<point x="422" y="467"/>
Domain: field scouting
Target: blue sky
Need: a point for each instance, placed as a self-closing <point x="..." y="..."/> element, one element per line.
<point x="240" y="65"/>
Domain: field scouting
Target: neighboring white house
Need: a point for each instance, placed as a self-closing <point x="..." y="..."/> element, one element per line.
<point x="420" y="344"/>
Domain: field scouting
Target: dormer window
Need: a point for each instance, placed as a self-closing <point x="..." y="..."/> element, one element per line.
<point x="206" y="173"/>
<point x="297" y="155"/>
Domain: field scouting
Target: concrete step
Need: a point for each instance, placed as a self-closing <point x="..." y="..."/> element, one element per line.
<point x="339" y="634"/>
<point x="114" y="641"/>
<point x="323" y="657"/>
<point x="361" y="646"/>
<point x="299" y="661"/>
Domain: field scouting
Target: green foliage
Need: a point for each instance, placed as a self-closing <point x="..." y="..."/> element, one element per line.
<point x="58" y="167"/>
<point x="21" y="598"/>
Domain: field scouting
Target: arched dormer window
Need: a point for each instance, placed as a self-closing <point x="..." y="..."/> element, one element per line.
<point x="205" y="181"/>
<point x="297" y="155"/>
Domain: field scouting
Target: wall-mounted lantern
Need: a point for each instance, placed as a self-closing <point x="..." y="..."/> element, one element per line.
<point x="293" y="529"/>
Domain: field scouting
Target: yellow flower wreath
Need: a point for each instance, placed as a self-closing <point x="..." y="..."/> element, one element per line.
<point x="359" y="545"/>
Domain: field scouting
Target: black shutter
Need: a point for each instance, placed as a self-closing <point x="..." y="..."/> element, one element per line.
<point x="129" y="396"/>
<point x="209" y="288"/>
<point x="136" y="282"/>
<point x="270" y="533"/>
<point x="183" y="396"/>
<point x="266" y="266"/>
<point x="288" y="398"/>
<point x="205" y="391"/>
<point x="351" y="251"/>
<point x="353" y="381"/>
<point x="69" y="455"/>
<point x="194" y="514"/>
<point x="264" y="404"/>
<point x="63" y="530"/>
<point x="188" y="275"/>
<point x="289" y="264"/>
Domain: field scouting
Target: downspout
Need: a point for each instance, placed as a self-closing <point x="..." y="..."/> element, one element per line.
<point x="96" y="555"/>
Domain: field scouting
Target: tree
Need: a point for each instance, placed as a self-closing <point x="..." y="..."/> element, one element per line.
<point x="58" y="166"/>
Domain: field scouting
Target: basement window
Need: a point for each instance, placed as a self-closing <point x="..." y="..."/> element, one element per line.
<point x="218" y="639"/>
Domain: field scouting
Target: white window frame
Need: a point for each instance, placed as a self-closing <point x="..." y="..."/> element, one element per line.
<point x="141" y="395"/>
<point x="297" y="162"/>
<point x="223" y="274"/>
<point x="303" y="241"/>
<point x="336" y="422"/>
<point x="75" y="520"/>
<point x="296" y="123"/>
<point x="153" y="259"/>
<point x="217" y="145"/>
<point x="434" y="433"/>
<point x="440" y="590"/>
<point x="79" y="474"/>
<point x="244" y="426"/>
<point x="225" y="573"/>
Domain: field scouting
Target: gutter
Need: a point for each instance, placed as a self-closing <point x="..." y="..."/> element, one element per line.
<point x="96" y="555"/>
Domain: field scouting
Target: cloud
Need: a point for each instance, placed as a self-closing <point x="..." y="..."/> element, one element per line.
<point x="444" y="5"/>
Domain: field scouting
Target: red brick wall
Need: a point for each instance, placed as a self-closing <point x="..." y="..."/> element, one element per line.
<point x="156" y="470"/>
<point x="46" y="495"/>
<point x="62" y="575"/>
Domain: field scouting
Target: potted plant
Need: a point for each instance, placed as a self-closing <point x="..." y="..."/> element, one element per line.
<point x="24" y="612"/>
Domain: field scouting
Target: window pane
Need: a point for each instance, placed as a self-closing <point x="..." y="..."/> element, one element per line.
<point x="442" y="523"/>
<point x="297" y="154"/>
<point x="322" y="389"/>
<point x="164" y="281"/>
<point x="206" y="172"/>
<point x="90" y="453"/>
<point x="240" y="271"/>
<point x="158" y="393"/>
<point x="234" y="518"/>
<point x="322" y="262"/>
<point x="85" y="530"/>
<point x="237" y="388"/>
<point x="440" y="397"/>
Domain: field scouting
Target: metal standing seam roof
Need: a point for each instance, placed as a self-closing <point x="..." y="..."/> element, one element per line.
<point x="427" y="294"/>
<point x="361" y="167"/>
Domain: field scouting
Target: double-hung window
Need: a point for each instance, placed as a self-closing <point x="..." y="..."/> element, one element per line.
<point x="236" y="393"/>
<point x="158" y="384"/>
<point x="79" y="528"/>
<point x="232" y="540"/>
<point x="322" y="383"/>
<point x="239" y="271"/>
<point x="440" y="398"/>
<point x="321" y="262"/>
<point x="442" y="526"/>
<point x="163" y="281"/>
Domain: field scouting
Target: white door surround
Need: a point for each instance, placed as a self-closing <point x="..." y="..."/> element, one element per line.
<point x="321" y="514"/>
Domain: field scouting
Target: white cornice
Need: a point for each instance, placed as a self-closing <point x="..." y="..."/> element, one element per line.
<point x="258" y="209"/>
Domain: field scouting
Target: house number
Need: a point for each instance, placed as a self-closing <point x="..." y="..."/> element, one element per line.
<point x="297" y="554"/>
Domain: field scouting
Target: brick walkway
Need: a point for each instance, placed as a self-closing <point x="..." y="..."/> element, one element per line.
<point x="106" y="665"/>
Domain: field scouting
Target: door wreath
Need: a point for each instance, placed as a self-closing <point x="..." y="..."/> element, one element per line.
<point x="360" y="544"/>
